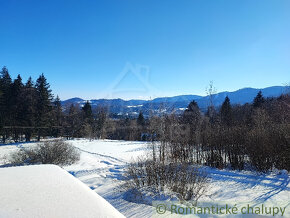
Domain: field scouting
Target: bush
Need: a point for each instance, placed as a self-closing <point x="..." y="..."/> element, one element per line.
<point x="187" y="182"/>
<point x="56" y="152"/>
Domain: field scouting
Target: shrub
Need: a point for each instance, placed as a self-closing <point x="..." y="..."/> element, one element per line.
<point x="187" y="182"/>
<point x="56" y="152"/>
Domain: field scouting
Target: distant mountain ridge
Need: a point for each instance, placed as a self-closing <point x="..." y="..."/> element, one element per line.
<point x="176" y="103"/>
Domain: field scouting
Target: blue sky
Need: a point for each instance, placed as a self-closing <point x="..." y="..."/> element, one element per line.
<point x="85" y="48"/>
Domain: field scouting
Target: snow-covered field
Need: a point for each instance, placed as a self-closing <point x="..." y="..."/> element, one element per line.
<point x="103" y="161"/>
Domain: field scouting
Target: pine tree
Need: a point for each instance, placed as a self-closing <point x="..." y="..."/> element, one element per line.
<point x="87" y="112"/>
<point x="5" y="78"/>
<point x="192" y="114"/>
<point x="140" y="119"/>
<point x="226" y="112"/>
<point x="16" y="106"/>
<point x="100" y="123"/>
<point x="258" y="100"/>
<point x="88" y="121"/>
<point x="5" y="89"/>
<point x="192" y="117"/>
<point x="44" y="105"/>
<point x="72" y="121"/>
<point x="5" y="100"/>
<point x="29" y="101"/>
<point x="57" y="116"/>
<point x="57" y="111"/>
<point x="140" y="126"/>
<point x="16" y="90"/>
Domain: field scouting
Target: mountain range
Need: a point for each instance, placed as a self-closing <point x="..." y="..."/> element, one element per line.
<point x="179" y="103"/>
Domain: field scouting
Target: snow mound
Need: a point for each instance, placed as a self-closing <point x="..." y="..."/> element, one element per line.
<point x="48" y="191"/>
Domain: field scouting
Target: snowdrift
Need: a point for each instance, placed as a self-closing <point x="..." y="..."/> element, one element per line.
<point x="48" y="191"/>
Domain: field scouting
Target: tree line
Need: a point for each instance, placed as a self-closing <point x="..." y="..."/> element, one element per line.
<point x="255" y="135"/>
<point x="238" y="136"/>
<point x="25" y="109"/>
<point x="29" y="111"/>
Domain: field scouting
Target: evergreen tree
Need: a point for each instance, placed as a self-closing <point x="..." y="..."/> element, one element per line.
<point x="57" y="110"/>
<point x="5" y="78"/>
<point x="16" y="119"/>
<point x="88" y="121"/>
<point x="192" y="117"/>
<point x="5" y="99"/>
<point x="87" y="112"/>
<point x="5" y="89"/>
<point x="43" y="107"/>
<point x="72" y="123"/>
<point x="140" y="126"/>
<point x="192" y="114"/>
<point x="140" y="119"/>
<point x="57" y="116"/>
<point x="29" y="101"/>
<point x="16" y="90"/>
<point x="258" y="100"/>
<point x="100" y="123"/>
<point x="226" y="112"/>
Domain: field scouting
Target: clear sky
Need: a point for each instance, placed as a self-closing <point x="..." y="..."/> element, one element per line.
<point x="94" y="49"/>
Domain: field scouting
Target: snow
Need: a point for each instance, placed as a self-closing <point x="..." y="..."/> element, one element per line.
<point x="103" y="162"/>
<point x="133" y="106"/>
<point x="48" y="191"/>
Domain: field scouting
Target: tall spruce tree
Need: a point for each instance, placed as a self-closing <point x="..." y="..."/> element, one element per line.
<point x="57" y="116"/>
<point x="5" y="100"/>
<point x="29" y="102"/>
<point x="140" y="119"/>
<point x="87" y="112"/>
<point x="192" y="114"/>
<point x="16" y="90"/>
<point x="73" y="122"/>
<point x="44" y="105"/>
<point x="258" y="100"/>
<point x="226" y="112"/>
<point x="17" y="120"/>
<point x="192" y="117"/>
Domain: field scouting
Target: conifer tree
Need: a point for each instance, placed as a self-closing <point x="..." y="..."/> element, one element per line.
<point x="258" y="100"/>
<point x="226" y="112"/>
<point x="192" y="114"/>
<point x="72" y="121"/>
<point x="57" y="116"/>
<point x="87" y="111"/>
<point x="5" y="102"/>
<point x="29" y="101"/>
<point x="16" y="119"/>
<point x="16" y="90"/>
<point x="140" y="119"/>
<point x="100" y="123"/>
<point x="44" y="106"/>
<point x="5" y="88"/>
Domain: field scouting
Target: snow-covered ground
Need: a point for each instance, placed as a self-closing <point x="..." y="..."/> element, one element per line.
<point x="48" y="191"/>
<point x="103" y="161"/>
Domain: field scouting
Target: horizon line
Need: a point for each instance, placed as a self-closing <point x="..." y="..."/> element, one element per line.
<point x="132" y="99"/>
